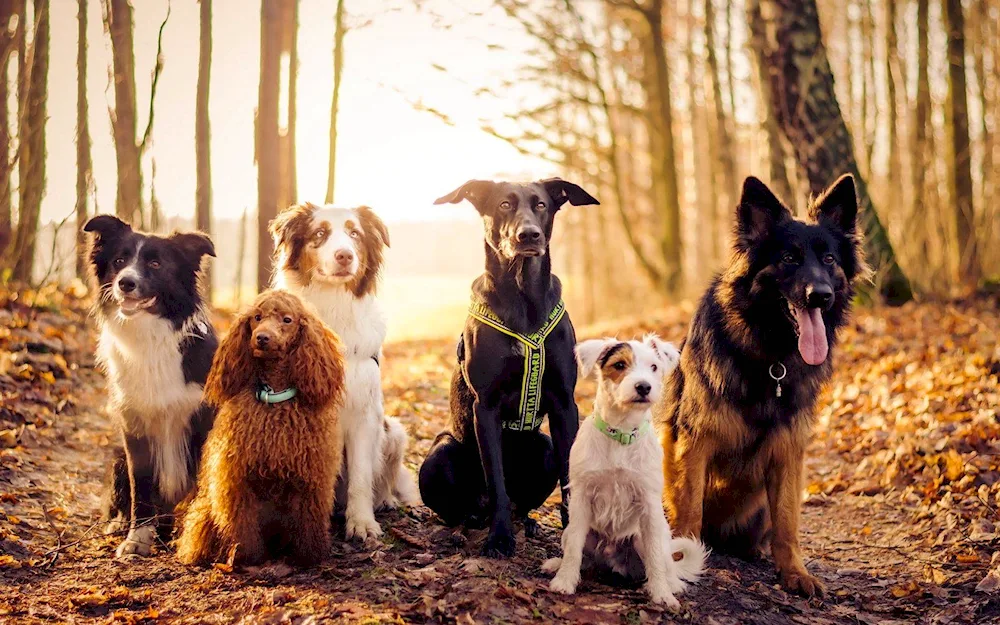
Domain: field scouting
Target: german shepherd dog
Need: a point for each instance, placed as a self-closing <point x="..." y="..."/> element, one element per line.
<point x="737" y="413"/>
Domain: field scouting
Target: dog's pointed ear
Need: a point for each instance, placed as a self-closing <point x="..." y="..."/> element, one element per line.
<point x="665" y="350"/>
<point x="839" y="205"/>
<point x="476" y="191"/>
<point x="759" y="210"/>
<point x="107" y="227"/>
<point x="562" y="191"/>
<point x="588" y="353"/>
<point x="194" y="245"/>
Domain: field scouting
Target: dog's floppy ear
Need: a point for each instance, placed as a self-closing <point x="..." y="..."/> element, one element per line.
<point x="588" y="353"/>
<point x="370" y="222"/>
<point x="562" y="191"/>
<point x="665" y="350"/>
<point x="476" y="191"/>
<point x="232" y="366"/>
<point x="759" y="210"/>
<point x="194" y="245"/>
<point x="838" y="205"/>
<point x="317" y="363"/>
<point x="291" y="222"/>
<point x="107" y="227"/>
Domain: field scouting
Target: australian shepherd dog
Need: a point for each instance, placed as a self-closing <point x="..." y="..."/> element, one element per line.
<point x="156" y="346"/>
<point x="737" y="414"/>
<point x="332" y="258"/>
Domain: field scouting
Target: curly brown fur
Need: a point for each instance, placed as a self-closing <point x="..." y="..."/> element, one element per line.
<point x="266" y="486"/>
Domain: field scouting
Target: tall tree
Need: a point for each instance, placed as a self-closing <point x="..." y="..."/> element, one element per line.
<point x="958" y="157"/>
<point x="722" y="134"/>
<point x="919" y="151"/>
<point x="806" y="108"/>
<point x="290" y="46"/>
<point x="268" y="167"/>
<point x="338" y="70"/>
<point x="202" y="132"/>
<point x="7" y="46"/>
<point x="84" y="166"/>
<point x="891" y="73"/>
<point x="118" y="21"/>
<point x="777" y="171"/>
<point x="31" y="146"/>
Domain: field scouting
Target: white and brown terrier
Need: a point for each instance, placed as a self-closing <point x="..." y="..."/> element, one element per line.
<point x="616" y="516"/>
<point x="332" y="258"/>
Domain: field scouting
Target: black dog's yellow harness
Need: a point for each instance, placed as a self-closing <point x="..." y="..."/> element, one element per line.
<point x="534" y="362"/>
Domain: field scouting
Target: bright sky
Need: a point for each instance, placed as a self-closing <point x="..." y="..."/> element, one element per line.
<point x="391" y="157"/>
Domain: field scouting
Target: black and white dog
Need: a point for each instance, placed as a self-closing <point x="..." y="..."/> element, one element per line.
<point x="515" y="367"/>
<point x="156" y="346"/>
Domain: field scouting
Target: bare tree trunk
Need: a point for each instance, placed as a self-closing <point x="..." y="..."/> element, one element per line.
<point x="83" y="163"/>
<point x="128" y="206"/>
<point x="31" y="147"/>
<point x="980" y="42"/>
<point x="724" y="142"/>
<point x="203" y="133"/>
<point x="268" y="171"/>
<point x="290" y="23"/>
<point x="338" y="71"/>
<point x="891" y="71"/>
<point x="807" y="110"/>
<point x="958" y="158"/>
<point x="703" y="161"/>
<point x="241" y="260"/>
<point x="868" y="98"/>
<point x="921" y="120"/>
<point x="775" y="149"/>
<point x="7" y="45"/>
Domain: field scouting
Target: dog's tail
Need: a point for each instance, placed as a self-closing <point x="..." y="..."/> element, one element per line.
<point x="402" y="484"/>
<point x="693" y="555"/>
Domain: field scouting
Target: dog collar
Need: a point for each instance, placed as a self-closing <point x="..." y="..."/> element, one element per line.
<point x="268" y="395"/>
<point x="622" y="436"/>
<point x="534" y="362"/>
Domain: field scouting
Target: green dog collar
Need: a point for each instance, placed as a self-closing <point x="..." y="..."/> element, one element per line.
<point x="621" y="436"/>
<point x="268" y="395"/>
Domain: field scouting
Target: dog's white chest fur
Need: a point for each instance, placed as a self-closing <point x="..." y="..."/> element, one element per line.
<point x="358" y="321"/>
<point x="143" y="361"/>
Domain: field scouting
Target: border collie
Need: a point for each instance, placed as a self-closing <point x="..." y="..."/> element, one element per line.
<point x="616" y="517"/>
<point x="332" y="258"/>
<point x="156" y="346"/>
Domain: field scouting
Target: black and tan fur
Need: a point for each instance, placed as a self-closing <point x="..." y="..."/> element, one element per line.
<point x="733" y="447"/>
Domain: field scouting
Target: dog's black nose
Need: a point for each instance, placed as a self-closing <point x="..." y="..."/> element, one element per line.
<point x="643" y="388"/>
<point x="127" y="284"/>
<point x="263" y="340"/>
<point x="819" y="296"/>
<point x="528" y="234"/>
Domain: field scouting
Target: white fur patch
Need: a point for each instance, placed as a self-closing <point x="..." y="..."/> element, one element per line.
<point x="142" y="358"/>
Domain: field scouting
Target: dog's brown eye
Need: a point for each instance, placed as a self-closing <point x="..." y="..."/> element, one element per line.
<point x="505" y="205"/>
<point x="119" y="262"/>
<point x="619" y="366"/>
<point x="654" y="367"/>
<point x="256" y="317"/>
<point x="787" y="257"/>
<point x="540" y="206"/>
<point x="154" y="264"/>
<point x="828" y="259"/>
<point x="287" y="319"/>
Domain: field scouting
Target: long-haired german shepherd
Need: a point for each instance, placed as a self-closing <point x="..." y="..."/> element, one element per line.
<point x="737" y="413"/>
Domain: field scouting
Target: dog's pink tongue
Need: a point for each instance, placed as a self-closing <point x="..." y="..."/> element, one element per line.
<point x="812" y="335"/>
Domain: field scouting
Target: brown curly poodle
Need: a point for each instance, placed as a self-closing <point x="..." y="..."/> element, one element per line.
<point x="270" y="465"/>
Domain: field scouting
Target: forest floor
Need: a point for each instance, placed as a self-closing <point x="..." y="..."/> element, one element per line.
<point x="900" y="517"/>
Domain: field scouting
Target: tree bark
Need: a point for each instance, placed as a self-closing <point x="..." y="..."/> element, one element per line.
<point x="980" y="43"/>
<point x="268" y="170"/>
<point x="722" y="135"/>
<point x="958" y="158"/>
<point x="128" y="204"/>
<point x="31" y="147"/>
<point x="777" y="170"/>
<point x="84" y="166"/>
<point x="806" y="108"/>
<point x="290" y="24"/>
<point x="7" y="45"/>
<point x="338" y="71"/>
<point x="203" y="133"/>
<point x="891" y="72"/>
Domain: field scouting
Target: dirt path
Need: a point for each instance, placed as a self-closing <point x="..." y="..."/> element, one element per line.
<point x="886" y="555"/>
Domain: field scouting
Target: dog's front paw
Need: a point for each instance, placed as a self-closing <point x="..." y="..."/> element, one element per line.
<point x="364" y="527"/>
<point x="499" y="544"/>
<point x="551" y="565"/>
<point x="138" y="542"/>
<point x="660" y="594"/>
<point x="115" y="525"/>
<point x="564" y="582"/>
<point x="800" y="581"/>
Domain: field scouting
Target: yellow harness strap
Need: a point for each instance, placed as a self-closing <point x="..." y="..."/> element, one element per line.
<point x="534" y="362"/>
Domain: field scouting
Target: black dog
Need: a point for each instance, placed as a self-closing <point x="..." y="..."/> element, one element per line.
<point x="515" y="366"/>
<point x="737" y="414"/>
<point x="156" y="346"/>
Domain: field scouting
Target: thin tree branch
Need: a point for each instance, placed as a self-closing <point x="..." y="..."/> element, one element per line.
<point x="157" y="70"/>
